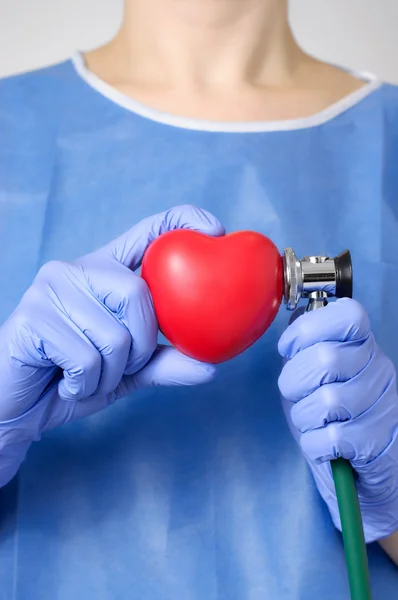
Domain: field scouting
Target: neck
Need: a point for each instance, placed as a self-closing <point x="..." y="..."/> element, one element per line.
<point x="206" y="42"/>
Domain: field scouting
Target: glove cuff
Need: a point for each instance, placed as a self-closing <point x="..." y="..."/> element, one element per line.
<point x="379" y="516"/>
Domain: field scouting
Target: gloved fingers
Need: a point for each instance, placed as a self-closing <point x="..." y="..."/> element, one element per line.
<point x="340" y="321"/>
<point x="113" y="308"/>
<point x="138" y="315"/>
<point x="360" y="440"/>
<point x="107" y="335"/>
<point x="129" y="248"/>
<point x="79" y="360"/>
<point x="322" y="363"/>
<point x="168" y="367"/>
<point x="69" y="294"/>
<point x="45" y="335"/>
<point x="347" y="400"/>
<point x="379" y="477"/>
<point x="341" y="401"/>
<point x="128" y="298"/>
<point x="327" y="404"/>
<point x="23" y="376"/>
<point x="21" y="387"/>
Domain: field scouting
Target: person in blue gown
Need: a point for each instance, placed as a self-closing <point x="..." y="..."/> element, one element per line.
<point x="205" y="115"/>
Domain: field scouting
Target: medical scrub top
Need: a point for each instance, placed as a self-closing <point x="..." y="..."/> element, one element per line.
<point x="189" y="493"/>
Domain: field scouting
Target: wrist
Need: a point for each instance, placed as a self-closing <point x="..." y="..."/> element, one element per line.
<point x="390" y="546"/>
<point x="380" y="518"/>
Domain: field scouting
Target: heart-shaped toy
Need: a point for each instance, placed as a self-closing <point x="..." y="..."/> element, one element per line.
<point x="213" y="296"/>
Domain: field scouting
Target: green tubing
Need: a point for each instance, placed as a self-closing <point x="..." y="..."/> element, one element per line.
<point x="352" y="528"/>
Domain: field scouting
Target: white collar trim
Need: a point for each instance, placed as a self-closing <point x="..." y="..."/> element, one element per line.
<point x="147" y="112"/>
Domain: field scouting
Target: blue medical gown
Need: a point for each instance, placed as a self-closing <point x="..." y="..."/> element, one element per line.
<point x="185" y="494"/>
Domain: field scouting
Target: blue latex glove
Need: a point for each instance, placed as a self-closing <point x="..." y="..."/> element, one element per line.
<point x="340" y="397"/>
<point x="84" y="335"/>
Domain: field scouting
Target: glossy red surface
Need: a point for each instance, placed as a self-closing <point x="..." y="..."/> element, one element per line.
<point x="213" y="297"/>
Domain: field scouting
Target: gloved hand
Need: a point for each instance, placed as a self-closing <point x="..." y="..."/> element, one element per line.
<point x="340" y="397"/>
<point x="84" y="335"/>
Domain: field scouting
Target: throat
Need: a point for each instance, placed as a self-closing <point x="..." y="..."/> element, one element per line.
<point x="312" y="88"/>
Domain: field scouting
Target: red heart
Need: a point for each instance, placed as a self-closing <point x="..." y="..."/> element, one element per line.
<point x="213" y="296"/>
